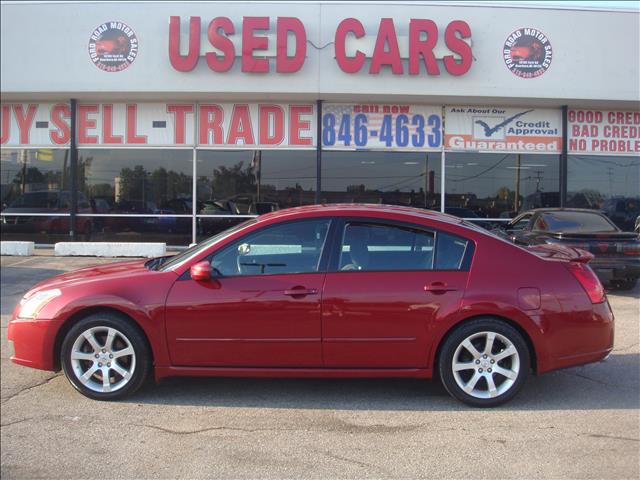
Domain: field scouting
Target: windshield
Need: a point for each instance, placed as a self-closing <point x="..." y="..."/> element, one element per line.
<point x="179" y="259"/>
<point x="36" y="200"/>
<point x="574" y="222"/>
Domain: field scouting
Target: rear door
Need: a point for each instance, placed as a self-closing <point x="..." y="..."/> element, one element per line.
<point x="387" y="285"/>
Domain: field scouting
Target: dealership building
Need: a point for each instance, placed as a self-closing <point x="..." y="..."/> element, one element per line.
<point x="171" y="121"/>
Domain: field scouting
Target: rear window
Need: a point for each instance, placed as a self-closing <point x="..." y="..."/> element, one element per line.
<point x="573" y="222"/>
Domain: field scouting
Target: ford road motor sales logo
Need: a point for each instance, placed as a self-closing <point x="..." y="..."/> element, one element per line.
<point x="113" y="46"/>
<point x="527" y="53"/>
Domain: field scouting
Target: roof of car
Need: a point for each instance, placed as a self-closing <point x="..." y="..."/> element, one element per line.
<point x="362" y="209"/>
<point x="547" y="210"/>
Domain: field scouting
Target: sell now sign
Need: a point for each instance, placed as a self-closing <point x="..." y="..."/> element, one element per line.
<point x="499" y="129"/>
<point x="219" y="125"/>
<point x="402" y="127"/>
<point x="604" y="132"/>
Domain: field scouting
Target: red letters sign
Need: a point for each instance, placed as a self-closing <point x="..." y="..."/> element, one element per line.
<point x="150" y="124"/>
<point x="604" y="132"/>
<point x="254" y="44"/>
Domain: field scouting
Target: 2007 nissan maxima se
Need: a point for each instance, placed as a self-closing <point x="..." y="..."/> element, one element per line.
<point x="324" y="291"/>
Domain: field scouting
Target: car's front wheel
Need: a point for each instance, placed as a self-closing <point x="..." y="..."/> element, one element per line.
<point x="105" y="357"/>
<point x="484" y="363"/>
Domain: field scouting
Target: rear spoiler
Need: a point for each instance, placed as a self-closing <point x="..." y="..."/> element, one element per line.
<point x="594" y="236"/>
<point x="561" y="253"/>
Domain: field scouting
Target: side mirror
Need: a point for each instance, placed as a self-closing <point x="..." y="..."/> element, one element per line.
<point x="201" y="271"/>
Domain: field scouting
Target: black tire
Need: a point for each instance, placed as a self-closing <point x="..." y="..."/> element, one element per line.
<point x="127" y="337"/>
<point x="624" y="284"/>
<point x="516" y="365"/>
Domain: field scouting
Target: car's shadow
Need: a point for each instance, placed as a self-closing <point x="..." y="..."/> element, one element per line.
<point x="22" y="279"/>
<point x="612" y="384"/>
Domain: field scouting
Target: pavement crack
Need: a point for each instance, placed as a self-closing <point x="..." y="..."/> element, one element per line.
<point x="355" y="462"/>
<point x="594" y="380"/>
<point x="615" y="437"/>
<point x="14" y="422"/>
<point x="29" y="388"/>
<point x="209" y="429"/>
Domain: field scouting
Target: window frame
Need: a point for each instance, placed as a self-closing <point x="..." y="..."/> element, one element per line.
<point x="322" y="262"/>
<point x="338" y="237"/>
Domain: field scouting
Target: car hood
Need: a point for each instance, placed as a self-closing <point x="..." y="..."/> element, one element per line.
<point x="110" y="271"/>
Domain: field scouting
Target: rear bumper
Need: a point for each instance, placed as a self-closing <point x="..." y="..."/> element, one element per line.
<point x="32" y="343"/>
<point x="589" y="339"/>
<point x="613" y="269"/>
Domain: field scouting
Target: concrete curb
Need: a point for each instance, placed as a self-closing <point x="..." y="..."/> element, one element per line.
<point x="109" y="249"/>
<point x="17" y="248"/>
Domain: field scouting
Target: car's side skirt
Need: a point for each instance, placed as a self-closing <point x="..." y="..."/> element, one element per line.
<point x="163" y="372"/>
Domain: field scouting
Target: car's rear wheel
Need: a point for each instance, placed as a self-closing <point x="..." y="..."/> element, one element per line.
<point x="484" y="363"/>
<point x="105" y="357"/>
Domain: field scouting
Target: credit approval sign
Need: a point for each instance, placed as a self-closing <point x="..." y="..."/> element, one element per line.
<point x="500" y="129"/>
<point x="219" y="125"/>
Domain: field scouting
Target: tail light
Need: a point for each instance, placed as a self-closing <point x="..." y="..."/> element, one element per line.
<point x="588" y="280"/>
<point x="631" y="249"/>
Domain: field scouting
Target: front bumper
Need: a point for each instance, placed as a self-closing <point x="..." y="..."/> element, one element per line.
<point x="33" y="342"/>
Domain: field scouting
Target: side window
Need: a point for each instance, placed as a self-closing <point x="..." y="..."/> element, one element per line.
<point x="294" y="247"/>
<point x="452" y="252"/>
<point x="522" y="223"/>
<point x="385" y="247"/>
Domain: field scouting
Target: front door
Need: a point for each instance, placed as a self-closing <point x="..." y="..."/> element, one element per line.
<point x="262" y="309"/>
<point x="386" y="291"/>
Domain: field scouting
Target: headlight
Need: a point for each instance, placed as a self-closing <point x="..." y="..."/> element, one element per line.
<point x="32" y="305"/>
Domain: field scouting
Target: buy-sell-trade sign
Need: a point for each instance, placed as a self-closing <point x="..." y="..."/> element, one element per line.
<point x="500" y="129"/>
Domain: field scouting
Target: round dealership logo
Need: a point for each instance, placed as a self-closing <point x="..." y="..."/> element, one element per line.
<point x="527" y="53"/>
<point x="113" y="46"/>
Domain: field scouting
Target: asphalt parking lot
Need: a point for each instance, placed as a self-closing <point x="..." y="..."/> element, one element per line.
<point x="578" y="423"/>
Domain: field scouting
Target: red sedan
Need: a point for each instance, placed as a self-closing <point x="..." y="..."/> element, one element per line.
<point x="324" y="291"/>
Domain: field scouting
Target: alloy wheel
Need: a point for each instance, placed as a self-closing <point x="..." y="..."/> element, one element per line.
<point x="485" y="365"/>
<point x="103" y="359"/>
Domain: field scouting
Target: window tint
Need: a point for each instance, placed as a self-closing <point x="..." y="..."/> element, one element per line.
<point x="385" y="247"/>
<point x="573" y="222"/>
<point x="450" y="253"/>
<point x="293" y="247"/>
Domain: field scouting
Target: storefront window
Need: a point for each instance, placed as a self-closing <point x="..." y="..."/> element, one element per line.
<point x="254" y="182"/>
<point x="35" y="181"/>
<point x="381" y="177"/>
<point x="152" y="182"/>
<point x="610" y="184"/>
<point x="500" y="185"/>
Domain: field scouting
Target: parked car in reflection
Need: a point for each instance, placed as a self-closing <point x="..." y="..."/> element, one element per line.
<point x="260" y="208"/>
<point x="617" y="253"/>
<point x="213" y="226"/>
<point x="623" y="212"/>
<point x="53" y="203"/>
<point x="324" y="291"/>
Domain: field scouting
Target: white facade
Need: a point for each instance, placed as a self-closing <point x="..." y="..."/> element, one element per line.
<point x="595" y="54"/>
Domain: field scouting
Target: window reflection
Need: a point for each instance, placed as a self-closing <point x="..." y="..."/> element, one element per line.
<point x="37" y="179"/>
<point x="254" y="182"/>
<point x="498" y="185"/>
<point x="136" y="181"/>
<point x="381" y="177"/>
<point x="611" y="184"/>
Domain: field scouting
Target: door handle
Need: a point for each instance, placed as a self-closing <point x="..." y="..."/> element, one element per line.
<point x="439" y="287"/>
<point x="300" y="291"/>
